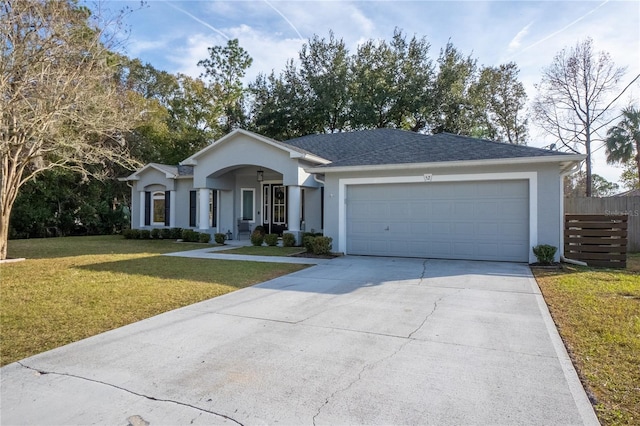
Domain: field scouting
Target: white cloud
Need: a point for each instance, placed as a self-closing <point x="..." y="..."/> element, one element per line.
<point x="517" y="40"/>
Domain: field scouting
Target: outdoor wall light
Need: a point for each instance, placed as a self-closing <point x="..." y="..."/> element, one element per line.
<point x="260" y="175"/>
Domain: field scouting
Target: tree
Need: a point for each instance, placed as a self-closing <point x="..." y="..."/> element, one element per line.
<point x="223" y="72"/>
<point x="630" y="175"/>
<point x="572" y="98"/>
<point x="388" y="84"/>
<point x="282" y="107"/>
<point x="623" y="140"/>
<point x="325" y="68"/>
<point x="453" y="110"/>
<point x="501" y="100"/>
<point x="391" y="83"/>
<point x="574" y="185"/>
<point x="61" y="103"/>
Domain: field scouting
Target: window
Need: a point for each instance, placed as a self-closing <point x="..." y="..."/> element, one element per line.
<point x="158" y="208"/>
<point x="279" y="215"/>
<point x="246" y="203"/>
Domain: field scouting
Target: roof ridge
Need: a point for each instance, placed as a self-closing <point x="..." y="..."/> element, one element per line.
<point x="473" y="138"/>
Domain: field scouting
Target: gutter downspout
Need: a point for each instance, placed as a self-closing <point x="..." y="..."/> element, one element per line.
<point x="317" y="179"/>
<point x="572" y="170"/>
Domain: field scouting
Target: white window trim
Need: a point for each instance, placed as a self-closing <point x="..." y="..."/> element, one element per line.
<point x="153" y="207"/>
<point x="532" y="177"/>
<point x="253" y="196"/>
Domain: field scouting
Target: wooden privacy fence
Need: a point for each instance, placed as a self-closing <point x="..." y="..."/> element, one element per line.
<point x="598" y="240"/>
<point x="629" y="206"/>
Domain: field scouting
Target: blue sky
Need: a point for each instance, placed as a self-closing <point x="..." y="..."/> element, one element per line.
<point x="174" y="35"/>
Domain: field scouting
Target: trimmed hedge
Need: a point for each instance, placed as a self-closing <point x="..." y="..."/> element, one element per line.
<point x="165" y="233"/>
<point x="257" y="238"/>
<point x="271" y="239"/>
<point x="322" y="245"/>
<point x="219" y="238"/>
<point x="288" y="240"/>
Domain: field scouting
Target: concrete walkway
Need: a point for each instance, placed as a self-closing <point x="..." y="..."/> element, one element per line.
<point x="217" y="253"/>
<point x="351" y="341"/>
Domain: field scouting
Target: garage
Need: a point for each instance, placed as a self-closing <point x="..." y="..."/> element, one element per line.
<point x="480" y="220"/>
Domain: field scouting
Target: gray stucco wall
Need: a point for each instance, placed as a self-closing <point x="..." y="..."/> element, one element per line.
<point x="548" y="195"/>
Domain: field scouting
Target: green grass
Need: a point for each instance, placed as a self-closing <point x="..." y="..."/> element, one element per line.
<point x="264" y="251"/>
<point x="72" y="288"/>
<point x="597" y="312"/>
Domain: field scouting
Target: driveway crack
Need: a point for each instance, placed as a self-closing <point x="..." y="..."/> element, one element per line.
<point x="358" y="378"/>
<point x="43" y="372"/>
<point x="426" y="318"/>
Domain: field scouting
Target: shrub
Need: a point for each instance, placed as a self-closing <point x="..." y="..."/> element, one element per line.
<point x="545" y="253"/>
<point x="165" y="233"/>
<point x="271" y="239"/>
<point x="307" y="242"/>
<point x="288" y="240"/>
<point x="145" y="234"/>
<point x="155" y="233"/>
<point x="128" y="234"/>
<point x="135" y="234"/>
<point x="321" y="245"/>
<point x="257" y="238"/>
<point x="176" y="233"/>
<point x="204" y="237"/>
<point x="189" y="236"/>
<point x="260" y="229"/>
<point x="219" y="238"/>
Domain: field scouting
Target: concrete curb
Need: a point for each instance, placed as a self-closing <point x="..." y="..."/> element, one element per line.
<point x="575" y="385"/>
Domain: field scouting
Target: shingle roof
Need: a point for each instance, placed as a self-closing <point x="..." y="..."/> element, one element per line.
<point x="185" y="170"/>
<point x="392" y="146"/>
<point x="172" y="170"/>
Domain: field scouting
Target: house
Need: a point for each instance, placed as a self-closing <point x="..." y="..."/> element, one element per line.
<point x="383" y="192"/>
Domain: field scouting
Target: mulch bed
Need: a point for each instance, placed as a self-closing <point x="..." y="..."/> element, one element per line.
<point x="315" y="256"/>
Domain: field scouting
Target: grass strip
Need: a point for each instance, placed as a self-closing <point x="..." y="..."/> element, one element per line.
<point x="597" y="312"/>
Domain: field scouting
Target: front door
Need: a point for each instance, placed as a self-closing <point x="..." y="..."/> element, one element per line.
<point x="274" y="207"/>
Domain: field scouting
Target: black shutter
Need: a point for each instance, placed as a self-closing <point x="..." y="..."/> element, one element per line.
<point x="147" y="208"/>
<point x="192" y="208"/>
<point x="167" y="207"/>
<point x="322" y="207"/>
<point x="214" y="204"/>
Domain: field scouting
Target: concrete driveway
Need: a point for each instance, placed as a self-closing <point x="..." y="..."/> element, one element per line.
<point x="353" y="341"/>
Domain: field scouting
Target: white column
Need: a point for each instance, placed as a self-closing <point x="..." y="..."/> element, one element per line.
<point x="142" y="208"/>
<point x="294" y="206"/>
<point x="172" y="209"/>
<point x="203" y="208"/>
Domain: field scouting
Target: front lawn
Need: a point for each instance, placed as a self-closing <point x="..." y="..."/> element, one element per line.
<point x="72" y="288"/>
<point x="597" y="312"/>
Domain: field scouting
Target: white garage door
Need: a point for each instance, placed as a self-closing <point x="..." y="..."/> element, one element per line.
<point x="456" y="220"/>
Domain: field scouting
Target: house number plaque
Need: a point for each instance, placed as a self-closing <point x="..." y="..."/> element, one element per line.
<point x="428" y="177"/>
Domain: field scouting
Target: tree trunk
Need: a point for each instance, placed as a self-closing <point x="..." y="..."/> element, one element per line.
<point x="588" y="178"/>
<point x="638" y="160"/>
<point x="4" y="235"/>
<point x="9" y="184"/>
